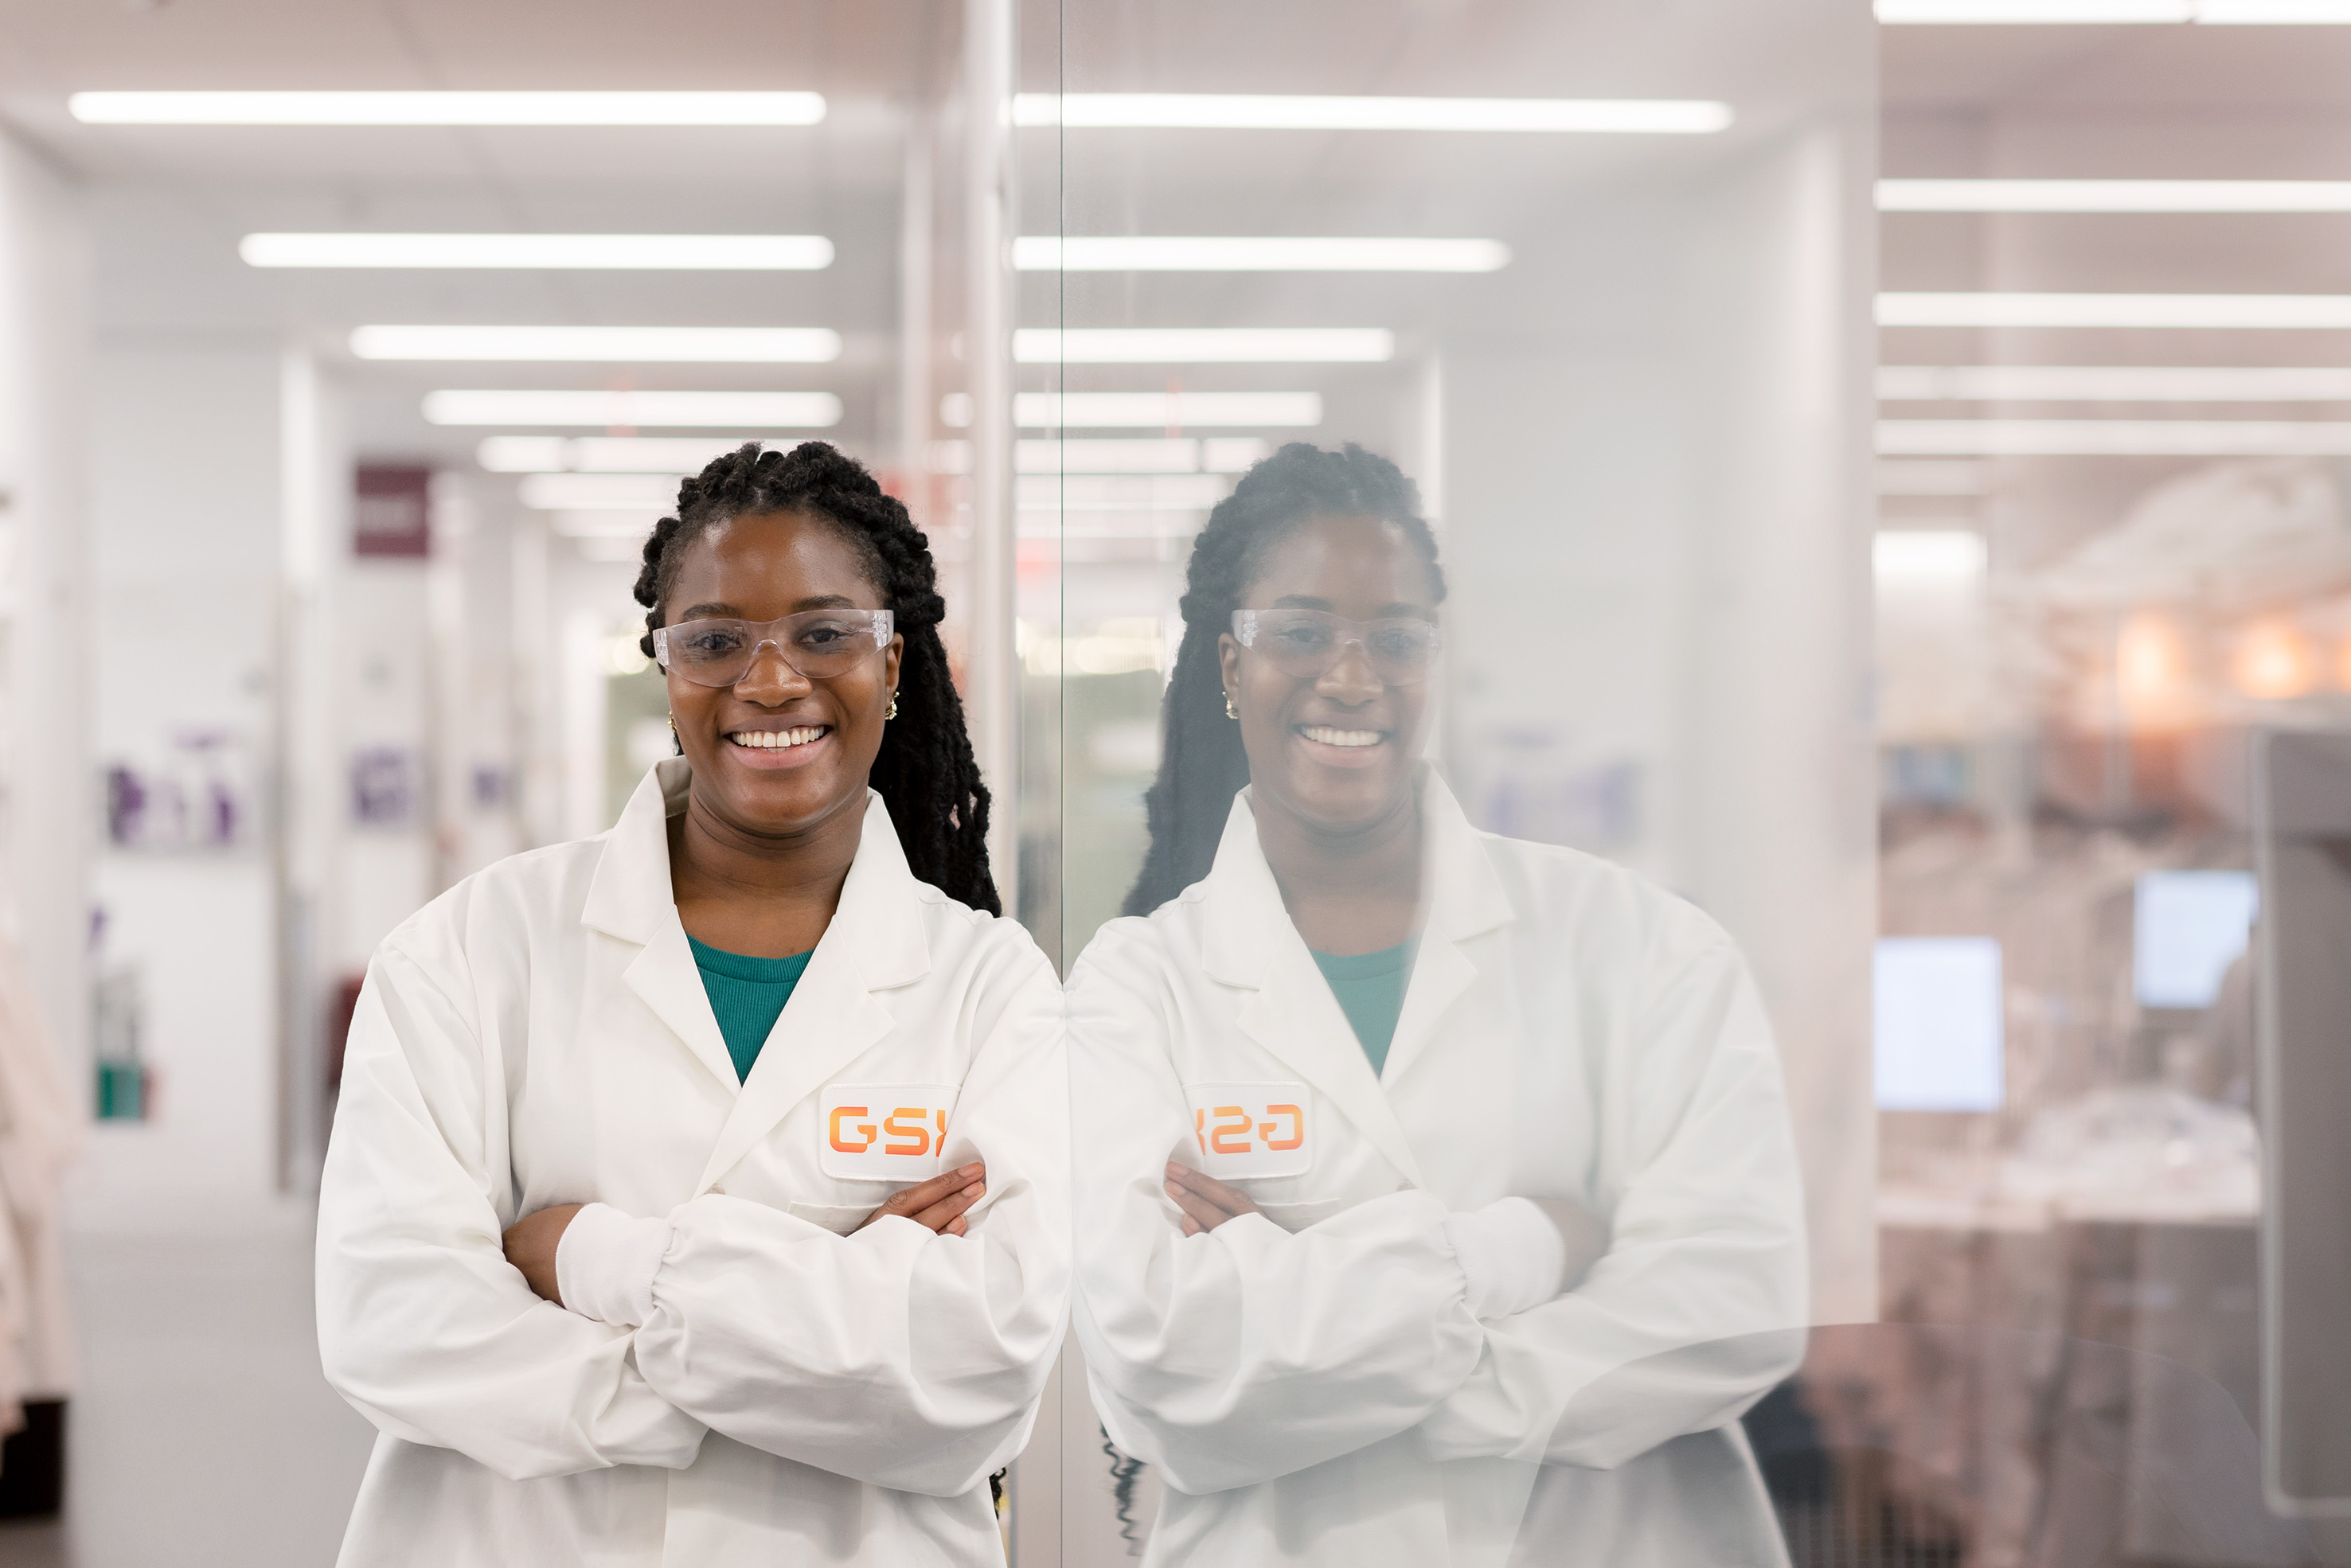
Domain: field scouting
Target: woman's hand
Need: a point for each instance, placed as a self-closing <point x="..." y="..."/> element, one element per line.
<point x="937" y="1204"/>
<point x="1207" y="1202"/>
<point x="530" y="1247"/>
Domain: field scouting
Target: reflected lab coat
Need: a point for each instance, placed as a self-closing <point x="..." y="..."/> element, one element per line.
<point x="539" y="1035"/>
<point x="1311" y="1384"/>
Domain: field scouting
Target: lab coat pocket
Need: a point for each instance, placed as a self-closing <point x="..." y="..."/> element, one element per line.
<point x="896" y="1132"/>
<point x="1246" y="1132"/>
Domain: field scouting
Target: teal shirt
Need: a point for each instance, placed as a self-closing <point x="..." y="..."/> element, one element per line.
<point x="747" y="995"/>
<point x="1370" y="988"/>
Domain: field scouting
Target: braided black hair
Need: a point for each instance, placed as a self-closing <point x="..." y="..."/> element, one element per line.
<point x="925" y="771"/>
<point x="1201" y="764"/>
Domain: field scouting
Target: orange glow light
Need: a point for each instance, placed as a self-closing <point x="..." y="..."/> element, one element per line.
<point x="2275" y="660"/>
<point x="2150" y="666"/>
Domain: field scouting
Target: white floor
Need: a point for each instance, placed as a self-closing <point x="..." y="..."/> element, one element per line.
<point x="202" y="1433"/>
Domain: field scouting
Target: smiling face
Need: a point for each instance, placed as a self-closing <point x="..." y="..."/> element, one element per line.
<point x="777" y="754"/>
<point x="1336" y="750"/>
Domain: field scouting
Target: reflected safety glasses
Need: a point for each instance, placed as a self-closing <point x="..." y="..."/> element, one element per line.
<point x="1307" y="643"/>
<point x="816" y="643"/>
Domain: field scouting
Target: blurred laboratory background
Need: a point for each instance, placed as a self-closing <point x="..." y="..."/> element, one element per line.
<point x="1891" y="472"/>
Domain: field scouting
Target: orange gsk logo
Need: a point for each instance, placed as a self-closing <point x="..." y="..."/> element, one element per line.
<point x="905" y="1131"/>
<point x="1234" y="1129"/>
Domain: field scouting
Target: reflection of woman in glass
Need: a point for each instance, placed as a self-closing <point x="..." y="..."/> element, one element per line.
<point x="1434" y="1190"/>
<point x="698" y="1193"/>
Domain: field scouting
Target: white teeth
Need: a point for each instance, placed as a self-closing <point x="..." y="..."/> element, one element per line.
<point x="774" y="739"/>
<point x="1330" y="737"/>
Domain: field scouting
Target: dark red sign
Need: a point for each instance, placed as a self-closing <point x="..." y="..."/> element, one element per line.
<point x="392" y="511"/>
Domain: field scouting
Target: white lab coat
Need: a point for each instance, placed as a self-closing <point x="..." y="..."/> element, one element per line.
<point x="539" y="1035"/>
<point x="1311" y="1384"/>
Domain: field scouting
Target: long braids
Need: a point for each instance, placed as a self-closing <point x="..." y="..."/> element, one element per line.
<point x="1201" y="763"/>
<point x="925" y="771"/>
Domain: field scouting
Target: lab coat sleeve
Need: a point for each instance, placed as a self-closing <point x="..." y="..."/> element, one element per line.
<point x="1247" y="1353"/>
<point x="423" y="1326"/>
<point x="1697" y="1306"/>
<point x="892" y="1355"/>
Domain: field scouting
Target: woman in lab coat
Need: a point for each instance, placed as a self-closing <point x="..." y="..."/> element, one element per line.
<point x="1435" y="1190"/>
<point x="820" y="1272"/>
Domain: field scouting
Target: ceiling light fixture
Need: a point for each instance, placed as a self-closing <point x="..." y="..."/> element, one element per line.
<point x="2253" y="311"/>
<point x="2108" y="13"/>
<point x="1273" y="111"/>
<point x="628" y="409"/>
<point x="616" y="252"/>
<point x="446" y="108"/>
<point x="2032" y="13"/>
<point x="1923" y="556"/>
<point x="600" y="453"/>
<point x="2112" y="438"/>
<point x="673" y="345"/>
<point x="1203" y="345"/>
<point x="2273" y="13"/>
<point x="1164" y="410"/>
<point x="1174" y="253"/>
<point x="2114" y="383"/>
<point x="2114" y="195"/>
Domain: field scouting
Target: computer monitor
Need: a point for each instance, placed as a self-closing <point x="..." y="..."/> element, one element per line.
<point x="2187" y="928"/>
<point x="1938" y="1042"/>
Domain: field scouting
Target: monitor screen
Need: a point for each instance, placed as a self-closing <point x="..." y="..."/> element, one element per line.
<point x="2187" y="928"/>
<point x="1937" y="1023"/>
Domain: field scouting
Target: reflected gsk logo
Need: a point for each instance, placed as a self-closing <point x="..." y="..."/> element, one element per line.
<point x="910" y="1130"/>
<point x="1236" y="1130"/>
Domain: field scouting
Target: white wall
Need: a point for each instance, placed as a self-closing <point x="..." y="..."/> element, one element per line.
<point x="183" y="464"/>
<point x="44" y="684"/>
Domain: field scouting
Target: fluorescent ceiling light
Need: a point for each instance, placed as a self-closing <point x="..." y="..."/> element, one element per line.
<point x="2114" y="383"/>
<point x="2030" y="13"/>
<point x="2114" y="195"/>
<point x="1203" y="345"/>
<point x="634" y="253"/>
<point x="675" y="345"/>
<point x="601" y="453"/>
<point x="1175" y="253"/>
<point x="2113" y="438"/>
<point x="1928" y="556"/>
<point x="1056" y="496"/>
<point x="2210" y="13"/>
<point x="446" y="108"/>
<point x="598" y="492"/>
<point x="2258" y="311"/>
<point x="1270" y="112"/>
<point x="610" y="410"/>
<point x="1177" y="454"/>
<point x="1148" y="411"/>
<point x="2273" y="13"/>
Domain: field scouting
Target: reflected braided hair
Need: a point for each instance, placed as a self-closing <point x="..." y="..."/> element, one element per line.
<point x="924" y="772"/>
<point x="1201" y="763"/>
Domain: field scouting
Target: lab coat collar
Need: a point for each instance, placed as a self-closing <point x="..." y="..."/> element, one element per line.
<point x="1249" y="942"/>
<point x="875" y="944"/>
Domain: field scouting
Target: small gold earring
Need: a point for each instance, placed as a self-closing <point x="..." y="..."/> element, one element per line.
<point x="1230" y="711"/>
<point x="894" y="707"/>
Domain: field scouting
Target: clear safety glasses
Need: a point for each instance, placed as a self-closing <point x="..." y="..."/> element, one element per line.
<point x="1307" y="643"/>
<point x="816" y="643"/>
